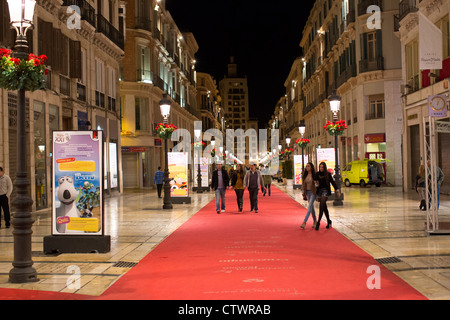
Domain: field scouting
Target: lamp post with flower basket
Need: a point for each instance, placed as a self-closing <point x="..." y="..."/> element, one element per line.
<point x="22" y="71"/>
<point x="336" y="129"/>
<point x="165" y="131"/>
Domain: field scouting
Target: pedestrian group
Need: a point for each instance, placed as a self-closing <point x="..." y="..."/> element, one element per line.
<point x="316" y="187"/>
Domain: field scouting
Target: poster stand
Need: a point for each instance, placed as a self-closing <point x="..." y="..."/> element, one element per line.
<point x="78" y="161"/>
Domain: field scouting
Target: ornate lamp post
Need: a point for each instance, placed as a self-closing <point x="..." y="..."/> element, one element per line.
<point x="335" y="103"/>
<point x="164" y="105"/>
<point x="21" y="14"/>
<point x="301" y="129"/>
<point x="198" y="133"/>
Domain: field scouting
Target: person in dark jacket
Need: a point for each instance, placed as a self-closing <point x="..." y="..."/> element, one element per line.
<point x="237" y="183"/>
<point x="324" y="179"/>
<point x="219" y="183"/>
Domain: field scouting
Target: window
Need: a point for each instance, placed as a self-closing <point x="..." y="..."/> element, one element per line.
<point x="376" y="108"/>
<point x="112" y="90"/>
<point x="412" y="64"/>
<point x="371" y="46"/>
<point x="144" y="64"/>
<point x="141" y="114"/>
<point x="99" y="83"/>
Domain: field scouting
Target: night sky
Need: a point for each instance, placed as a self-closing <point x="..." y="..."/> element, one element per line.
<point x="263" y="36"/>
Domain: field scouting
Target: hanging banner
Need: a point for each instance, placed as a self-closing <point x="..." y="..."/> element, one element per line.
<point x="298" y="168"/>
<point x="203" y="172"/>
<point x="77" y="183"/>
<point x="430" y="44"/>
<point x="178" y="174"/>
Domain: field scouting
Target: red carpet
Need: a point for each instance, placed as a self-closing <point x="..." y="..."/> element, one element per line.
<point x="254" y="256"/>
<point x="251" y="256"/>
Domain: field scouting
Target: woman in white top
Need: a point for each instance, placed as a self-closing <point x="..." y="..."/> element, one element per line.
<point x="309" y="192"/>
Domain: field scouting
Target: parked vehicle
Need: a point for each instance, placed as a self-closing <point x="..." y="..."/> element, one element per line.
<point x="364" y="172"/>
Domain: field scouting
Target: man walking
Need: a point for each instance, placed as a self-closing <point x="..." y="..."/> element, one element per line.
<point x="219" y="183"/>
<point x="253" y="181"/>
<point x="159" y="180"/>
<point x="6" y="189"/>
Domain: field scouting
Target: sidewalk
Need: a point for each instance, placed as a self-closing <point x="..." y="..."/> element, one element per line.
<point x="384" y="222"/>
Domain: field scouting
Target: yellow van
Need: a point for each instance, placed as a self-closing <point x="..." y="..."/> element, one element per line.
<point x="364" y="172"/>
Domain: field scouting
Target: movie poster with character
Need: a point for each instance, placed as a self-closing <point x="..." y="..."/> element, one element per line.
<point x="77" y="183"/>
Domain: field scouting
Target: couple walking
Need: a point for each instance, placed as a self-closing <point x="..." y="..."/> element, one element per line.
<point x="240" y="180"/>
<point x="317" y="185"/>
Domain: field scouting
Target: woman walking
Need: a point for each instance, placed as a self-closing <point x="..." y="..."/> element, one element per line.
<point x="309" y="192"/>
<point x="324" y="191"/>
<point x="237" y="183"/>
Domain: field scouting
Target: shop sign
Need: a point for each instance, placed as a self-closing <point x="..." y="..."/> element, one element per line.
<point x="133" y="149"/>
<point x="375" y="138"/>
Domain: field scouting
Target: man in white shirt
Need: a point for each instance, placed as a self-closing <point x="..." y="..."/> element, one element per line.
<point x="6" y="188"/>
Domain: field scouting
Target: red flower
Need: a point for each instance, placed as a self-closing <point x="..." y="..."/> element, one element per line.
<point x="42" y="57"/>
<point x="5" y="52"/>
<point x="46" y="72"/>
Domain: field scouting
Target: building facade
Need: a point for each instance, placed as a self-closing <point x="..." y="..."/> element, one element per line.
<point x="209" y="102"/>
<point x="158" y="59"/>
<point x="233" y="90"/>
<point x="418" y="85"/>
<point x="82" y="90"/>
<point x="293" y="109"/>
<point x="345" y="52"/>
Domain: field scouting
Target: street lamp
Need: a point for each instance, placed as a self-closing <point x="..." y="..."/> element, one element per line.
<point x="198" y="133"/>
<point x="21" y="15"/>
<point x="335" y="104"/>
<point x="302" y="129"/>
<point x="288" y="141"/>
<point x="164" y="106"/>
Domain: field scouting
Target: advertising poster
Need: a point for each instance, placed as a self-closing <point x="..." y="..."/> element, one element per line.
<point x="203" y="172"/>
<point x="77" y="178"/>
<point x="326" y="155"/>
<point x="298" y="168"/>
<point x="113" y="164"/>
<point x="178" y="174"/>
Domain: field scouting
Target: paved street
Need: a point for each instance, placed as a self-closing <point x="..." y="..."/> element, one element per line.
<point x="382" y="221"/>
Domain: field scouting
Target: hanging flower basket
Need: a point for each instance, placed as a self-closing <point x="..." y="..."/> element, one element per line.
<point x="302" y="143"/>
<point x="288" y="151"/>
<point x="16" y="74"/>
<point x="198" y="145"/>
<point x="165" y="130"/>
<point x="335" y="129"/>
<point x="213" y="153"/>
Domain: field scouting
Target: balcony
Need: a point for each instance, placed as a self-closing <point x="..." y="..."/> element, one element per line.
<point x="160" y="83"/>
<point x="144" y="76"/>
<point x="406" y="7"/>
<point x="371" y="65"/>
<point x="86" y="10"/>
<point x="143" y="23"/>
<point x="364" y="4"/>
<point x="105" y="27"/>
